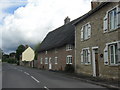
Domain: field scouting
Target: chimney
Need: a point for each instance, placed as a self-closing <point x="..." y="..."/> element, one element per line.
<point x="95" y="4"/>
<point x="67" y="20"/>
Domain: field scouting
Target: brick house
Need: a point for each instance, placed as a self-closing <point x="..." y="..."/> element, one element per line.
<point x="97" y="39"/>
<point x="57" y="49"/>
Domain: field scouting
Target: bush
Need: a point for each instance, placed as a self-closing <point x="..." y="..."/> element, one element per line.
<point x="69" y="68"/>
<point x="12" y="61"/>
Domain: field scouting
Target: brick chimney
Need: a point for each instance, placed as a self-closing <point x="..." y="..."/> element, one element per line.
<point x="67" y="20"/>
<point x="95" y="4"/>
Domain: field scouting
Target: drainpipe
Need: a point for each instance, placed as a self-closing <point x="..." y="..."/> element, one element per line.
<point x="75" y="49"/>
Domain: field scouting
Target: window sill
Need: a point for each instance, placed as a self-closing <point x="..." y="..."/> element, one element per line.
<point x="114" y="65"/>
<point x="109" y="31"/>
<point x="85" y="40"/>
<point x="69" y="50"/>
<point x="68" y="63"/>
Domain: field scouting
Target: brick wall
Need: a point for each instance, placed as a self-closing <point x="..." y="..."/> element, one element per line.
<point x="61" y="54"/>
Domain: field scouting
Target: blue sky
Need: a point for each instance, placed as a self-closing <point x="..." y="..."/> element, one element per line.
<point x="11" y="9"/>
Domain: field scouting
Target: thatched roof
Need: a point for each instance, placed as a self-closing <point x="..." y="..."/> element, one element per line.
<point x="58" y="37"/>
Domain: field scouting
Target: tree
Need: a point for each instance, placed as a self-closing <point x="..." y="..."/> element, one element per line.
<point x="36" y="50"/>
<point x="20" y="49"/>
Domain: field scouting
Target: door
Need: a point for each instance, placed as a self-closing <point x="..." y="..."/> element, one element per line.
<point x="50" y="63"/>
<point x="95" y="62"/>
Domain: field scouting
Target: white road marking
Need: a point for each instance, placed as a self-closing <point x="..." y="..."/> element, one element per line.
<point x="20" y="70"/>
<point x="26" y="73"/>
<point x="46" y="87"/>
<point x="35" y="79"/>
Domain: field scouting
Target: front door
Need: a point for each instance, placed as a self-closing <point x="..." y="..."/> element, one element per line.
<point x="95" y="62"/>
<point x="50" y="63"/>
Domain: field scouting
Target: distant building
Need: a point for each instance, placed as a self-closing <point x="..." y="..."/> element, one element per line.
<point x="28" y="55"/>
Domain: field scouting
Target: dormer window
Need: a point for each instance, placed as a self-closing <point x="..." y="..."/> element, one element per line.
<point x="69" y="47"/>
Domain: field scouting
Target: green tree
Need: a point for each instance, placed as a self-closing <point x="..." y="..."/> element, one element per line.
<point x="36" y="50"/>
<point x="20" y="49"/>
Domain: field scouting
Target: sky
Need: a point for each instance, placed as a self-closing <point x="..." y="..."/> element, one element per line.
<point x="27" y="22"/>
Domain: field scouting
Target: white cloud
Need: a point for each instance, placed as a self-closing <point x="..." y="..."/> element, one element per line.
<point x="30" y="24"/>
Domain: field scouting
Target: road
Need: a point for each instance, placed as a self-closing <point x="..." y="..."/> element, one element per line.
<point x="22" y="77"/>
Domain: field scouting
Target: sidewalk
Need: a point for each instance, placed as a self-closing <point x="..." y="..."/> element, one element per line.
<point x="94" y="80"/>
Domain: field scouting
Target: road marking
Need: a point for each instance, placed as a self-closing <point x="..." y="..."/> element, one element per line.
<point x="20" y="70"/>
<point x="35" y="79"/>
<point x="46" y="88"/>
<point x="26" y="73"/>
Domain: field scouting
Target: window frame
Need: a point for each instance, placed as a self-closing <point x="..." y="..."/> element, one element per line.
<point x="46" y="60"/>
<point x="114" y="53"/>
<point x="109" y="19"/>
<point x="69" y="47"/>
<point x="86" y="28"/>
<point x="68" y="61"/>
<point x="41" y="60"/>
<point x="84" y="58"/>
<point x="56" y="60"/>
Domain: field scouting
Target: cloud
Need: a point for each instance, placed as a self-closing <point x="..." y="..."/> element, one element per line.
<point x="30" y="23"/>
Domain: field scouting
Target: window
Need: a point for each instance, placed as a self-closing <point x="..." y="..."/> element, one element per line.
<point x="113" y="54"/>
<point x="41" y="61"/>
<point x="111" y="19"/>
<point x="85" y="56"/>
<point x="46" y="52"/>
<point x="86" y="32"/>
<point x="69" y="59"/>
<point x="69" y="47"/>
<point x="46" y="60"/>
<point x="56" y="60"/>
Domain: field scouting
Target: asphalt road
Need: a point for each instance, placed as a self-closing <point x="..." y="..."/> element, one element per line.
<point x="22" y="77"/>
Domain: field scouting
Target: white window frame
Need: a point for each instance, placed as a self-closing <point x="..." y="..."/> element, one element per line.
<point x="113" y="18"/>
<point x="118" y="49"/>
<point x="86" y="63"/>
<point x="46" y="52"/>
<point x="114" y="55"/>
<point x="56" y="60"/>
<point x="107" y="22"/>
<point x="88" y="30"/>
<point x="41" y="61"/>
<point x="88" y="56"/>
<point x="69" y="47"/>
<point x="46" y="60"/>
<point x="68" y="59"/>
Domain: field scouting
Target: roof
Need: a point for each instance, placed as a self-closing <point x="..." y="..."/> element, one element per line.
<point x="90" y="13"/>
<point x="59" y="37"/>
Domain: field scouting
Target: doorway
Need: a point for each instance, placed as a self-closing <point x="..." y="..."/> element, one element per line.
<point x="50" y="63"/>
<point x="95" y="61"/>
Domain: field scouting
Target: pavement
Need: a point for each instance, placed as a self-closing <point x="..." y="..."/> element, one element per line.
<point x="22" y="77"/>
<point x="111" y="84"/>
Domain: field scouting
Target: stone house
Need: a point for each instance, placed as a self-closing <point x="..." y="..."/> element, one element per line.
<point x="97" y="41"/>
<point x="57" y="49"/>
